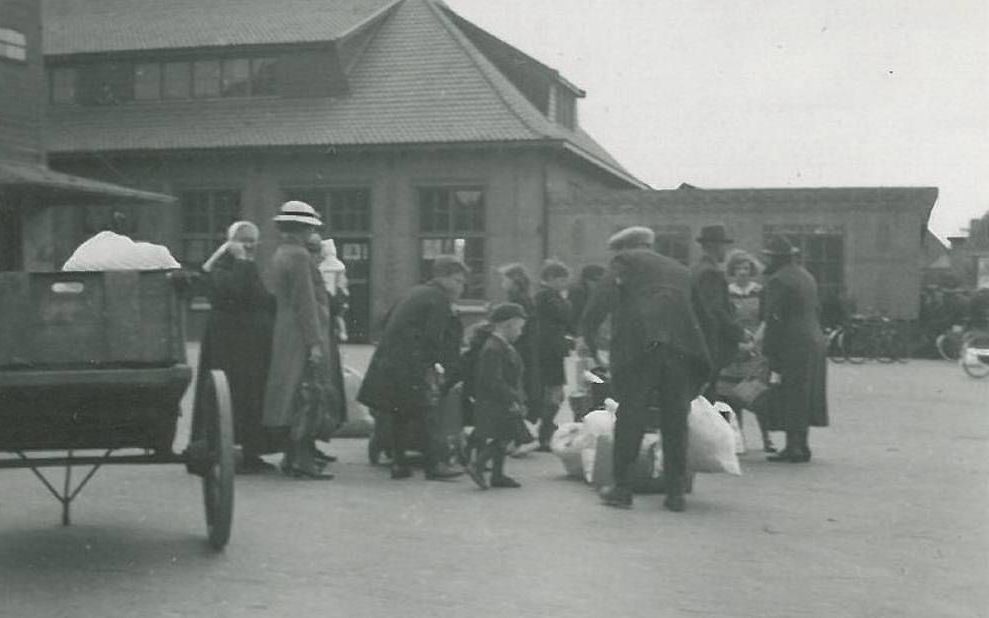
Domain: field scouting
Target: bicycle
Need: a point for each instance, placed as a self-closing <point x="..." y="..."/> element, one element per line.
<point x="949" y="343"/>
<point x="872" y="337"/>
<point x="974" y="353"/>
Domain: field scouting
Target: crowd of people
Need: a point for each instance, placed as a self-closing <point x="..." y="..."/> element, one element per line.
<point x="674" y="333"/>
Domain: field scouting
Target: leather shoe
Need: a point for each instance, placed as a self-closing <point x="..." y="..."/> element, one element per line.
<point x="787" y="455"/>
<point x="505" y="482"/>
<point x="443" y="472"/>
<point x="477" y="475"/>
<point x="615" y="496"/>
<point x="401" y="472"/>
<point x="675" y="503"/>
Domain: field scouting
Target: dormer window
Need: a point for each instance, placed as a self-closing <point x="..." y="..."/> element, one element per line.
<point x="566" y="108"/>
<point x="13" y="44"/>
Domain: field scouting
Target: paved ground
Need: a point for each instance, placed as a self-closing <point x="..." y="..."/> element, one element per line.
<point x="889" y="520"/>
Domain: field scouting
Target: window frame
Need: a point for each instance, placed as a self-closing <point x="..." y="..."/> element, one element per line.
<point x="217" y="230"/>
<point x="829" y="272"/>
<point x="476" y="288"/>
<point x="8" y="42"/>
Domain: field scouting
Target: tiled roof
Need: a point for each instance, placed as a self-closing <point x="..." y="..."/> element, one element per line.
<point x="419" y="81"/>
<point x="83" y="26"/>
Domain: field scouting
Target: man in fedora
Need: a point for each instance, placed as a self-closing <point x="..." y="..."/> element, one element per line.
<point x="795" y="347"/>
<point x="715" y="313"/>
<point x="658" y="357"/>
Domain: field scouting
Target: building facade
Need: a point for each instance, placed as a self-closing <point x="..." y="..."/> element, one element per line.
<point x="413" y="131"/>
<point x="865" y="244"/>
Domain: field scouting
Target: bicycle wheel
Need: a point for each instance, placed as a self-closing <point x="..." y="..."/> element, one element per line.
<point x="855" y="345"/>
<point x="947" y="346"/>
<point x="886" y="351"/>
<point x="974" y="356"/>
<point x="835" y="351"/>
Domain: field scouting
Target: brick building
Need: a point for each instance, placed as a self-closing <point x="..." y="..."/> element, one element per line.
<point x="30" y="191"/>
<point x="870" y="242"/>
<point x="412" y="130"/>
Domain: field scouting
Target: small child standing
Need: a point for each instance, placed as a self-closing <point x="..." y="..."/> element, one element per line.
<point x="498" y="396"/>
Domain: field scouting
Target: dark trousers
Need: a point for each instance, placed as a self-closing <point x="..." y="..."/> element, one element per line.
<point x="495" y="451"/>
<point x="415" y="428"/>
<point x="662" y="379"/>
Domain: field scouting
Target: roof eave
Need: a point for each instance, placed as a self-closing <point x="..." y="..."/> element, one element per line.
<point x="611" y="169"/>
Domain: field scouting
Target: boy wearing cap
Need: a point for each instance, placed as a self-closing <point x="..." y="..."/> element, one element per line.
<point x="553" y="318"/>
<point x="498" y="395"/>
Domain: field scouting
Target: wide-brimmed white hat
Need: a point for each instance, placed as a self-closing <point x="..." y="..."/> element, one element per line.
<point x="299" y="212"/>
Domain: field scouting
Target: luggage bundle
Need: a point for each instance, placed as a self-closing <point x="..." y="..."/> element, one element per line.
<point x="585" y="448"/>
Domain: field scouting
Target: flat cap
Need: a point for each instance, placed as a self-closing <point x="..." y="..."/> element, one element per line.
<point x="445" y="265"/>
<point x="631" y="237"/>
<point x="506" y="311"/>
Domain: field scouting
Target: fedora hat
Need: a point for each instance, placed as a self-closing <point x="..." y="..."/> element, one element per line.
<point x="298" y="212"/>
<point x="779" y="245"/>
<point x="714" y="234"/>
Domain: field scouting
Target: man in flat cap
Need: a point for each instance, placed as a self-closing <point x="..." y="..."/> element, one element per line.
<point x="659" y="359"/>
<point x="716" y="315"/>
<point x="420" y="344"/>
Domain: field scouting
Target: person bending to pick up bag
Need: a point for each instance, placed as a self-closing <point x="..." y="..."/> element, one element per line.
<point x="498" y="394"/>
<point x="658" y="355"/>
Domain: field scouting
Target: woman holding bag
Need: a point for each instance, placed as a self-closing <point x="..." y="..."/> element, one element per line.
<point x="298" y="400"/>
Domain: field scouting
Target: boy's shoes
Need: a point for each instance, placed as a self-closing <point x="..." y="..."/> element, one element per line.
<point x="477" y="475"/>
<point x="618" y="497"/>
<point x="504" y="481"/>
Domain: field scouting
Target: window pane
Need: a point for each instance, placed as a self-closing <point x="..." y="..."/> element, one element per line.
<point x="63" y="85"/>
<point x="236" y="77"/>
<point x="13" y="37"/>
<point x="350" y="210"/>
<point x="263" y="80"/>
<point x="469" y="216"/>
<point x="178" y="80"/>
<point x="14" y="52"/>
<point x="206" y="78"/>
<point x="110" y="83"/>
<point x="147" y="82"/>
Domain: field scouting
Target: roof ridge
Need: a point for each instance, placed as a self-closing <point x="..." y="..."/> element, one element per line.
<point x="370" y="18"/>
<point x="486" y="69"/>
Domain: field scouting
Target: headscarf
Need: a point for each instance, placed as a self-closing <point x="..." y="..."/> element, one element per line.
<point x="235" y="227"/>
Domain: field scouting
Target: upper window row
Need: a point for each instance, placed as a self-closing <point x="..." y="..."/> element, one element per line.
<point x="13" y="44"/>
<point x="112" y="83"/>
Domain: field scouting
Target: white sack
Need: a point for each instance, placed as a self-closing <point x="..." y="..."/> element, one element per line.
<point x="567" y="443"/>
<point x="729" y="415"/>
<point x="359" y="423"/>
<point x="111" y="251"/>
<point x="710" y="441"/>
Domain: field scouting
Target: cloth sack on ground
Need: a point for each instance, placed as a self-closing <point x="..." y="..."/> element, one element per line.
<point x="359" y="423"/>
<point x="710" y="440"/>
<point x="567" y="443"/>
<point x="111" y="251"/>
<point x="728" y="413"/>
<point x="647" y="471"/>
<point x="596" y="423"/>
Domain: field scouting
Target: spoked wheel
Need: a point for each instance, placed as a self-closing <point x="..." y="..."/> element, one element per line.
<point x="854" y="344"/>
<point x="974" y="357"/>
<point x="218" y="472"/>
<point x="947" y="346"/>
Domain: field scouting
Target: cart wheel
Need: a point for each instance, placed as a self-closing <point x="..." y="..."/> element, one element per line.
<point x="218" y="480"/>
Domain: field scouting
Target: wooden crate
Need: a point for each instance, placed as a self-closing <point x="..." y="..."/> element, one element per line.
<point x="89" y="319"/>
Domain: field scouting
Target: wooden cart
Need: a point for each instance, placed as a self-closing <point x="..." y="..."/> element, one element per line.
<point x="92" y="370"/>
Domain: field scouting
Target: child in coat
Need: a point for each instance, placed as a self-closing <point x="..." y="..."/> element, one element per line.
<point x="499" y="403"/>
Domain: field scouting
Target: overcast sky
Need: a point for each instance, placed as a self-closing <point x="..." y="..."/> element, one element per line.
<point x="775" y="93"/>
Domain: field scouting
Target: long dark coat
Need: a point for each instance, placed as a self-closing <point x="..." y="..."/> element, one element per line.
<point x="419" y="333"/>
<point x="527" y="345"/>
<point x="497" y="389"/>
<point x="237" y="340"/>
<point x="715" y="313"/>
<point x="648" y="297"/>
<point x="302" y="320"/>
<point x="795" y="346"/>
<point x="553" y="324"/>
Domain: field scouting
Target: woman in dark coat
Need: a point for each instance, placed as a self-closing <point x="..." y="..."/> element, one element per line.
<point x="795" y="347"/>
<point x="554" y="328"/>
<point x="518" y="289"/>
<point x="238" y="337"/>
